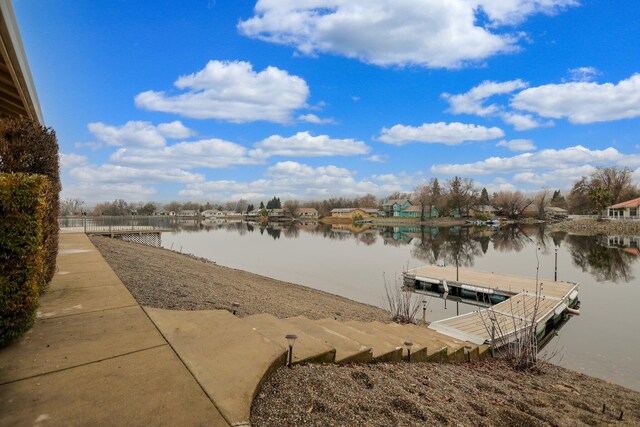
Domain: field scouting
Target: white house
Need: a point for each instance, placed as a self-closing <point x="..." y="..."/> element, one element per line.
<point x="307" y="212"/>
<point x="187" y="213"/>
<point x="624" y="210"/>
<point x="212" y="213"/>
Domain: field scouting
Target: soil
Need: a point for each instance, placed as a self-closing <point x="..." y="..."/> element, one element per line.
<point x="485" y="393"/>
<point x="161" y="278"/>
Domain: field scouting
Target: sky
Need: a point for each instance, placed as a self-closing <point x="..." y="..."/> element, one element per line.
<point x="217" y="100"/>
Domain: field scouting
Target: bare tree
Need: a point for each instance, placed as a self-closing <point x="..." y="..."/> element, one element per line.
<point x="541" y="201"/>
<point x="426" y="196"/>
<point x="70" y="206"/>
<point x="241" y="205"/>
<point x="618" y="181"/>
<point x="291" y="208"/>
<point x="368" y="201"/>
<point x="511" y="203"/>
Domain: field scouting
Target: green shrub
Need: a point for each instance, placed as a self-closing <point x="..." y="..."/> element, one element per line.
<point x="27" y="147"/>
<point x="23" y="209"/>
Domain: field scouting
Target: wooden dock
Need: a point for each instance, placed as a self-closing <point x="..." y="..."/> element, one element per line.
<point x="513" y="302"/>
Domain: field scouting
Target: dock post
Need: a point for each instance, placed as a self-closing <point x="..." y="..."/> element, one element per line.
<point x="493" y="340"/>
<point x="555" y="275"/>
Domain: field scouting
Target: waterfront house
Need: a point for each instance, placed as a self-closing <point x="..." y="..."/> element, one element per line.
<point x="212" y="213"/>
<point x="624" y="210"/>
<point x="555" y="212"/>
<point x="483" y="210"/>
<point x="276" y="213"/>
<point x="307" y="212"/>
<point x="187" y="213"/>
<point x="352" y="212"/>
<point x="405" y="208"/>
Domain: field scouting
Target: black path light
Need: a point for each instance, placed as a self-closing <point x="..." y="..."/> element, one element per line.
<point x="235" y="306"/>
<point x="467" y="349"/>
<point x="424" y="311"/>
<point x="408" y="344"/>
<point x="291" y="340"/>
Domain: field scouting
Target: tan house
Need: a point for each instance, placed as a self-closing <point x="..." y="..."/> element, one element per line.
<point x="307" y="213"/>
<point x="624" y="210"/>
<point x="352" y="212"/>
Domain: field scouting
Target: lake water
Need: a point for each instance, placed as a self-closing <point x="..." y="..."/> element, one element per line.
<point x="604" y="341"/>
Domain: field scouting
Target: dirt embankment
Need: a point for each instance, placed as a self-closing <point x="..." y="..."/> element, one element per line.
<point x="487" y="393"/>
<point x="164" y="279"/>
<point x="592" y="226"/>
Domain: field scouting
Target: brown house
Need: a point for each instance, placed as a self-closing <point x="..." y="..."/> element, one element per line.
<point x="352" y="212"/>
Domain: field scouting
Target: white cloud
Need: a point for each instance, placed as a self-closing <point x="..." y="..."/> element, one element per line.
<point x="377" y="158"/>
<point x="114" y="174"/>
<point x="429" y="33"/>
<point x="232" y="91"/>
<point x="70" y="160"/>
<point x="303" y="144"/>
<point x="517" y="144"/>
<point x="138" y="133"/>
<point x="92" y="193"/>
<point x="542" y="160"/>
<point x="297" y="180"/>
<point x="583" y="102"/>
<point x="444" y="133"/>
<point x="471" y="102"/>
<point x="312" y="118"/>
<point x="523" y="121"/>
<point x="206" y="153"/>
<point x="583" y="74"/>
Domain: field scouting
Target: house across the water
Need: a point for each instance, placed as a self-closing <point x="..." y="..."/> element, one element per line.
<point x="405" y="208"/>
<point x="307" y="212"/>
<point x="352" y="212"/>
<point x="624" y="210"/>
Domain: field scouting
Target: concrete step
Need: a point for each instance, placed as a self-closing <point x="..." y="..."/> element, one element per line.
<point x="307" y="348"/>
<point x="419" y="351"/>
<point x="455" y="347"/>
<point x="216" y="346"/>
<point x="347" y="350"/>
<point x="383" y="351"/>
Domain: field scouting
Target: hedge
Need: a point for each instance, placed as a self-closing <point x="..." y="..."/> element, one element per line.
<point x="27" y="147"/>
<point x="23" y="209"/>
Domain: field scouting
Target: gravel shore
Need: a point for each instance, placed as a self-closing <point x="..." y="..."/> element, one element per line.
<point x="486" y="393"/>
<point x="162" y="278"/>
<point x="592" y="226"/>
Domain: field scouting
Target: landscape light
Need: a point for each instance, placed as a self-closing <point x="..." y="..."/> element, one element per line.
<point x="408" y="344"/>
<point x="291" y="339"/>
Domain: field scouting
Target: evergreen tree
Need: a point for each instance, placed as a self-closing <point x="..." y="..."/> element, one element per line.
<point x="484" y="197"/>
<point x="261" y="205"/>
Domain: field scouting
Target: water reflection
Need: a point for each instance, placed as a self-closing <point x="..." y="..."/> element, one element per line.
<point x="606" y="258"/>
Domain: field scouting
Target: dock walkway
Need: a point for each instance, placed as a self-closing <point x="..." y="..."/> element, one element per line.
<point x="513" y="301"/>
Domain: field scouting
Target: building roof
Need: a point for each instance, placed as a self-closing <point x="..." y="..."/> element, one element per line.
<point x="413" y="208"/>
<point x="633" y="203"/>
<point x="309" y="210"/>
<point x="391" y="202"/>
<point x="19" y="98"/>
<point x="367" y="210"/>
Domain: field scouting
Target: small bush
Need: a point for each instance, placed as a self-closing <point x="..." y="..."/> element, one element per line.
<point x="23" y="209"/>
<point x="27" y="147"/>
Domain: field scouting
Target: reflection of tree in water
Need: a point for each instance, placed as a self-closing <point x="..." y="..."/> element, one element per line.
<point x="605" y="264"/>
<point x="368" y="238"/>
<point x="453" y="244"/>
<point x="428" y="247"/>
<point x="510" y="239"/>
<point x="273" y="232"/>
<point x="291" y="230"/>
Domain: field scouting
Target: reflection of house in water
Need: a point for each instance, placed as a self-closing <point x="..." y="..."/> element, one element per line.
<point x="350" y="228"/>
<point x="629" y="244"/>
<point x="405" y="234"/>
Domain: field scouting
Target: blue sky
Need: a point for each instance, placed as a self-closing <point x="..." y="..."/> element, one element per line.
<point x="221" y="100"/>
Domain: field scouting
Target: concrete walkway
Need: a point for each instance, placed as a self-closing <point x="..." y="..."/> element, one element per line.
<point x="94" y="357"/>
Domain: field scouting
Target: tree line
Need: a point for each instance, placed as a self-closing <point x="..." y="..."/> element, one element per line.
<point x="457" y="196"/>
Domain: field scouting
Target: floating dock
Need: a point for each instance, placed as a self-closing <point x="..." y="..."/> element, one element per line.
<point x="511" y="302"/>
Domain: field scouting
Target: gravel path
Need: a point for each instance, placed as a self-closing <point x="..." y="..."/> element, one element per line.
<point x="487" y="393"/>
<point x="165" y="279"/>
<point x="591" y="226"/>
